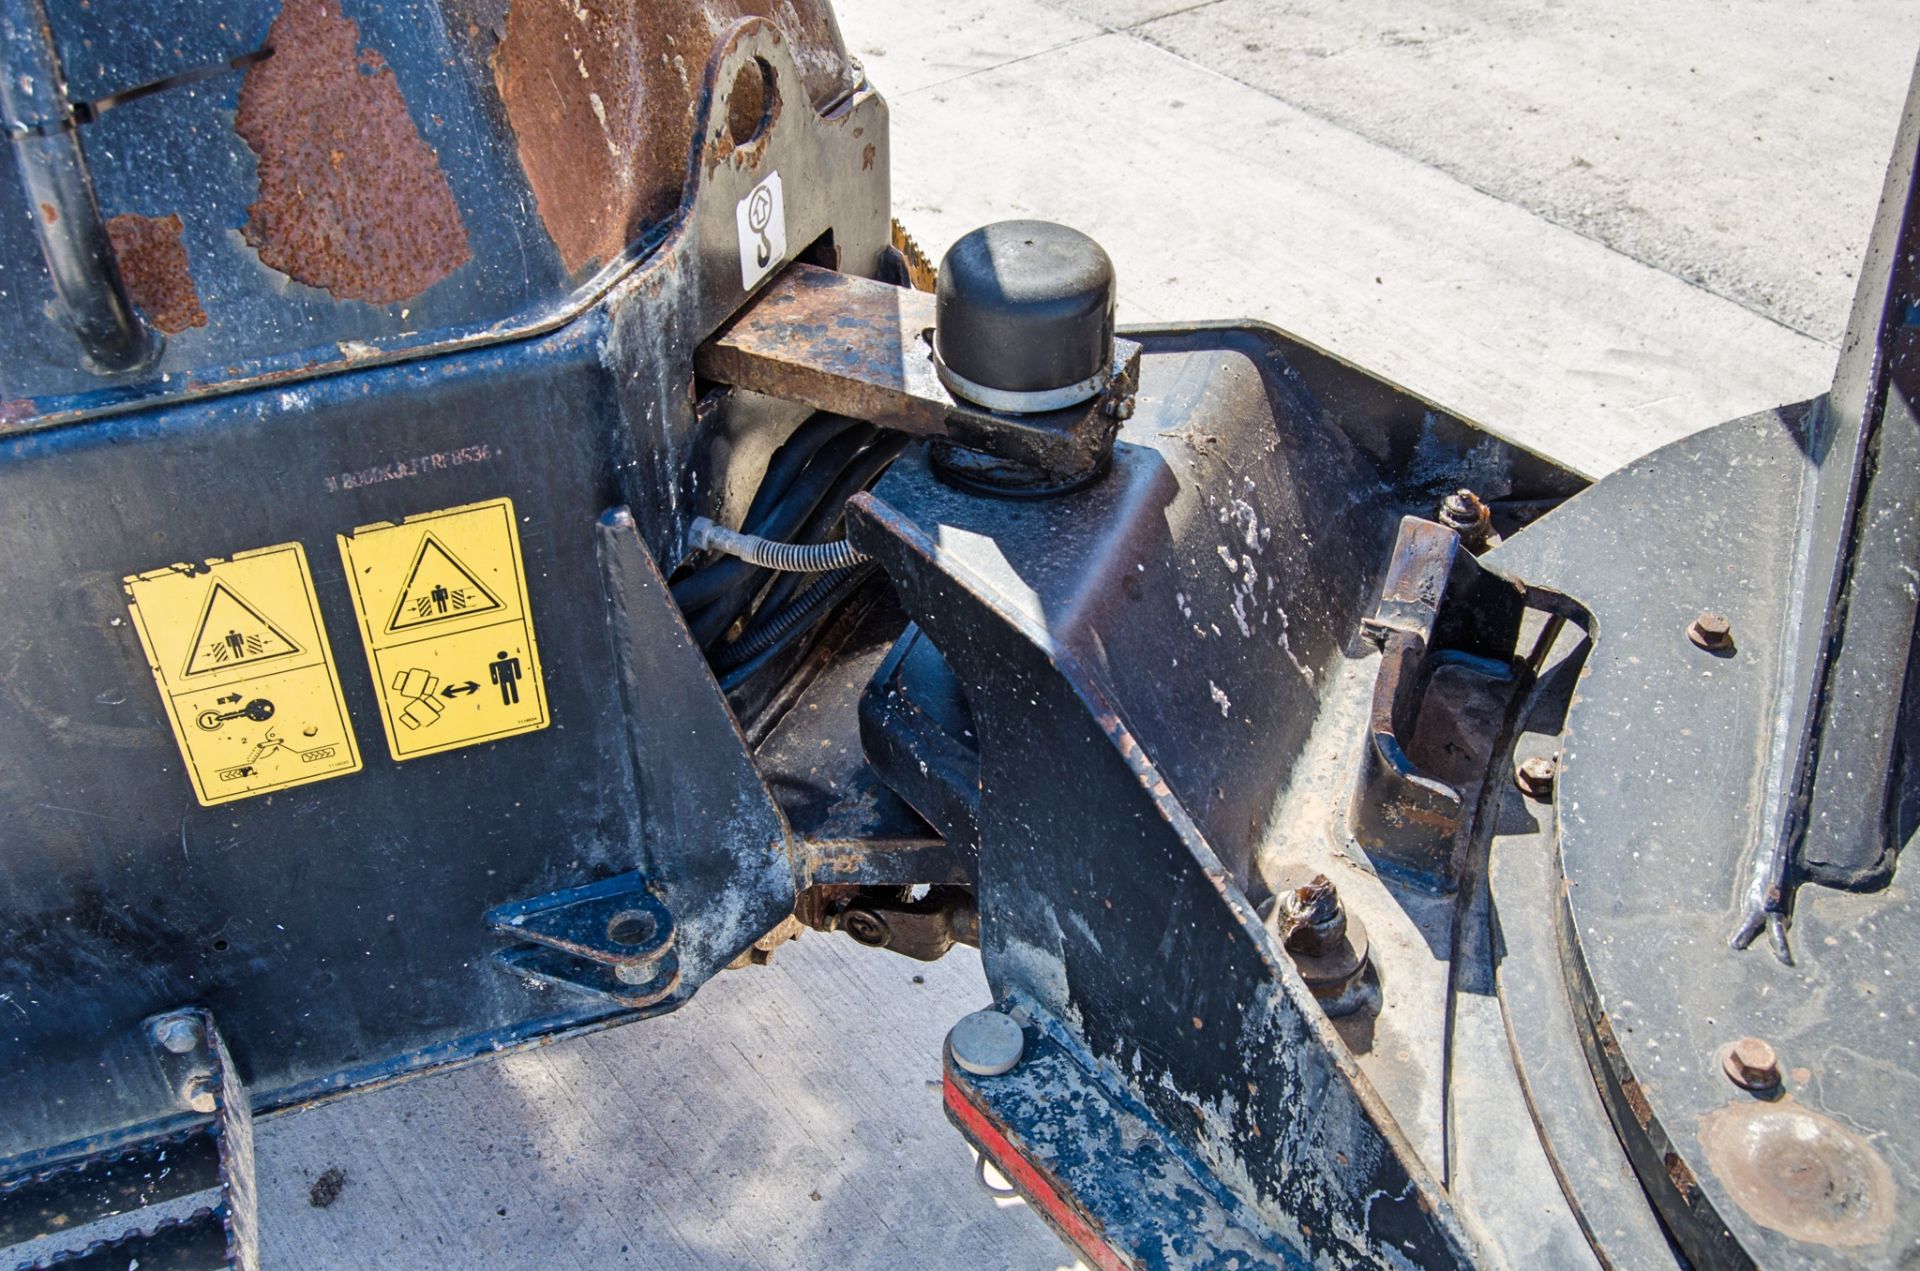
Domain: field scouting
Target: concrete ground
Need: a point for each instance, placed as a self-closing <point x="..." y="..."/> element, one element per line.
<point x="1594" y="228"/>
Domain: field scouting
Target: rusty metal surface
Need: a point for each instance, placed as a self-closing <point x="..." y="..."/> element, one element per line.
<point x="351" y="199"/>
<point x="837" y="343"/>
<point x="382" y="167"/>
<point x="602" y="102"/>
<point x="1439" y="612"/>
<point x="856" y="347"/>
<point x="1799" y="1172"/>
<point x="154" y="266"/>
<point x="1658" y="807"/>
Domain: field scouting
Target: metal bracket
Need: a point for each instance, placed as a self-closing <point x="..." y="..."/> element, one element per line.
<point x="857" y="347"/>
<point x="1093" y="1163"/>
<point x="194" y="1061"/>
<point x="1438" y="602"/>
<point x="613" y="937"/>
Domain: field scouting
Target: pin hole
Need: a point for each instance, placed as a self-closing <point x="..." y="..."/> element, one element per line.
<point x="630" y="927"/>
<point x="750" y="102"/>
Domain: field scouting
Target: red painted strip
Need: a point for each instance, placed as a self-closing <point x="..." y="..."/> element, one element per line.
<point x="1031" y="1183"/>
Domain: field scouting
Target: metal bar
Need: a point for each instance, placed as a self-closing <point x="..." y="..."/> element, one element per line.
<point x="76" y="1193"/>
<point x="53" y="169"/>
<point x="856" y="347"/>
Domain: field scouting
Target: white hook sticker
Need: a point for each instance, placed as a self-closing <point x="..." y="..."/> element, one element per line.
<point x="762" y="218"/>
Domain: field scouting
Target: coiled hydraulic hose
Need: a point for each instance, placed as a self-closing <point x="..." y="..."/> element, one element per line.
<point x="792" y="558"/>
<point x="720" y="583"/>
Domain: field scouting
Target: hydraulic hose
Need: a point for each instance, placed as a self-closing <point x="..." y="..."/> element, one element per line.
<point x="718" y="581"/>
<point x="791" y="459"/>
<point x="772" y="634"/>
<point x="791" y="558"/>
<point x="858" y="476"/>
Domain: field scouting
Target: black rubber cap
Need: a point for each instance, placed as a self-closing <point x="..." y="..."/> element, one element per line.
<point x="1024" y="307"/>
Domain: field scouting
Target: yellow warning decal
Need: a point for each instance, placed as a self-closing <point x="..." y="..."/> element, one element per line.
<point x="442" y="599"/>
<point x="243" y="665"/>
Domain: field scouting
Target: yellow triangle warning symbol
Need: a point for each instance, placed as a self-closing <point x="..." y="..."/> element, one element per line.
<point x="233" y="633"/>
<point x="438" y="587"/>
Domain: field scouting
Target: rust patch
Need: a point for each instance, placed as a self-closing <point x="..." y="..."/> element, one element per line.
<point x="49" y="213"/>
<point x="153" y="264"/>
<point x="1680" y="1176"/>
<point x="1637" y="1101"/>
<point x="1629" y="1087"/>
<point x="1800" y="1172"/>
<point x="602" y="102"/>
<point x="753" y="104"/>
<point x="351" y="199"/>
<point x="866" y="157"/>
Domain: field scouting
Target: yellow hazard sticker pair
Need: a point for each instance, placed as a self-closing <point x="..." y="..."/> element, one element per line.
<point x="240" y="652"/>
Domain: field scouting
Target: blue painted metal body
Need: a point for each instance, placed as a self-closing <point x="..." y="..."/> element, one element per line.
<point x="337" y="930"/>
<point x="1096" y="1164"/>
<point x="178" y="153"/>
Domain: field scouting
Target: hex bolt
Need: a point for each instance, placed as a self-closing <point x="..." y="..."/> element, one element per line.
<point x="1712" y="632"/>
<point x="199" y="1092"/>
<point x="1467" y="515"/>
<point x="176" y="1034"/>
<point x="1751" y="1065"/>
<point x="987" y="1043"/>
<point x="867" y="927"/>
<point x="1535" y="776"/>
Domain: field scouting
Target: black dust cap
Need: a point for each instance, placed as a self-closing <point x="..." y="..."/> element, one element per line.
<point x="1025" y="307"/>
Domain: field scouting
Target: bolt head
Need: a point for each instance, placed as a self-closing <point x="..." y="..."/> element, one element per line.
<point x="1712" y="632"/>
<point x="1313" y="920"/>
<point x="199" y="1093"/>
<point x="987" y="1043"/>
<point x="177" y="1034"/>
<point x="1463" y="508"/>
<point x="1751" y="1064"/>
<point x="1535" y="776"/>
<point x="865" y="926"/>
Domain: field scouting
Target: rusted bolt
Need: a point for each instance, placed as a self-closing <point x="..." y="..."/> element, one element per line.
<point x="1712" y="632"/>
<point x="1312" y="919"/>
<point x="176" y="1034"/>
<point x="1328" y="946"/>
<point x="1535" y="776"/>
<point x="865" y="926"/>
<point x="1467" y="515"/>
<point x="1751" y="1065"/>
